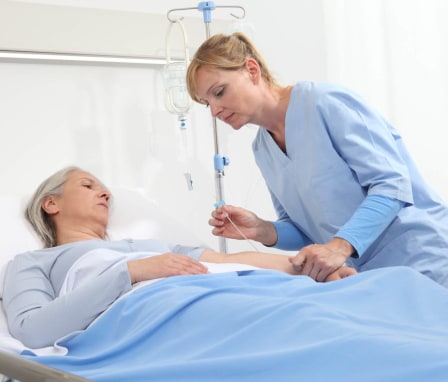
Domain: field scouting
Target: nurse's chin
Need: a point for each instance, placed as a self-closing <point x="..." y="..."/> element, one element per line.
<point x="235" y="125"/>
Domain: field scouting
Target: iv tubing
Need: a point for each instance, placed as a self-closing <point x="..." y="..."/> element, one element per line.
<point x="243" y="235"/>
<point x="168" y="41"/>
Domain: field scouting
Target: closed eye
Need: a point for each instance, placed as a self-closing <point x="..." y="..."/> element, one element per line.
<point x="219" y="92"/>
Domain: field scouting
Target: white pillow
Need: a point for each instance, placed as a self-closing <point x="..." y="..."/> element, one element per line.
<point x="133" y="215"/>
<point x="16" y="236"/>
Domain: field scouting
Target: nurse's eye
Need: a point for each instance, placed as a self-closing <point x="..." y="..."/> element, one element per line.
<point x="219" y="92"/>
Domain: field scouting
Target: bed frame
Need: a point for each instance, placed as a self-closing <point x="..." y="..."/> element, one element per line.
<point x="16" y="368"/>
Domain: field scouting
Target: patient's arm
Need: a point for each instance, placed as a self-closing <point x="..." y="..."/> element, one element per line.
<point x="37" y="317"/>
<point x="267" y="261"/>
<point x="258" y="259"/>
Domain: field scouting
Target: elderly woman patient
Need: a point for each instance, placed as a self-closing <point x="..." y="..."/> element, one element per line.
<point x="70" y="212"/>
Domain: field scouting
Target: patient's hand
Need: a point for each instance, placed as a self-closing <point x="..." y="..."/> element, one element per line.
<point x="165" y="265"/>
<point x="341" y="273"/>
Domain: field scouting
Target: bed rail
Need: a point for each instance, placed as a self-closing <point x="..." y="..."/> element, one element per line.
<point x="15" y="368"/>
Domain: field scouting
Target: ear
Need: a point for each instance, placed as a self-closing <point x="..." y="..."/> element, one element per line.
<point x="253" y="69"/>
<point x="50" y="205"/>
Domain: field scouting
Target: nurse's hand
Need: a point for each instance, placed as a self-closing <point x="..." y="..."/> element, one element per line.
<point x="234" y="222"/>
<point x="318" y="261"/>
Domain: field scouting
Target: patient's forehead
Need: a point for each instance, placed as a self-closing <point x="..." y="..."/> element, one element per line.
<point x="79" y="176"/>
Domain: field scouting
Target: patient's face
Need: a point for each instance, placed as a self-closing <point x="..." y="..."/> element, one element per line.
<point x="84" y="201"/>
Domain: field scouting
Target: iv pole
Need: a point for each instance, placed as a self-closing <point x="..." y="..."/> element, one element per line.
<point x="219" y="161"/>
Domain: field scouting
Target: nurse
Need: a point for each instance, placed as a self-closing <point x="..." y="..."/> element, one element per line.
<point x="343" y="185"/>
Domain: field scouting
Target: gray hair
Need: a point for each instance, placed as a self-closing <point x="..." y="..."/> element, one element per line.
<point x="35" y="214"/>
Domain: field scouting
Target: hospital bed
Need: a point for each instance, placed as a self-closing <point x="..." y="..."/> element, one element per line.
<point x="240" y="323"/>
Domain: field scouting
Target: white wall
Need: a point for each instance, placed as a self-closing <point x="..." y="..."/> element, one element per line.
<point x="111" y="119"/>
<point x="395" y="53"/>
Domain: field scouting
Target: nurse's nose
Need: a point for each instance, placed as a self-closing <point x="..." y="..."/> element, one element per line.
<point x="215" y="109"/>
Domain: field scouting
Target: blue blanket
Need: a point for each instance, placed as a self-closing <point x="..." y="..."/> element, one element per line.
<point x="381" y="325"/>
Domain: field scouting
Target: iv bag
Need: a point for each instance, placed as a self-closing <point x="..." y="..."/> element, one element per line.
<point x="177" y="99"/>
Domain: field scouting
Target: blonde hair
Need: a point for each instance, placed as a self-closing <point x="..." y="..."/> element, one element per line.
<point x="35" y="214"/>
<point x="225" y="52"/>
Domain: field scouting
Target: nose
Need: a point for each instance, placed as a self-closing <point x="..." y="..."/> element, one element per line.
<point x="215" y="109"/>
<point x="105" y="193"/>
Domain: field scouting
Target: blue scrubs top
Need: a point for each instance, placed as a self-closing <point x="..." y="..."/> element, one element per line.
<point x="338" y="151"/>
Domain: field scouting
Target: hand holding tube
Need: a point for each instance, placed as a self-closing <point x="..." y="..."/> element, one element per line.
<point x="247" y="223"/>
